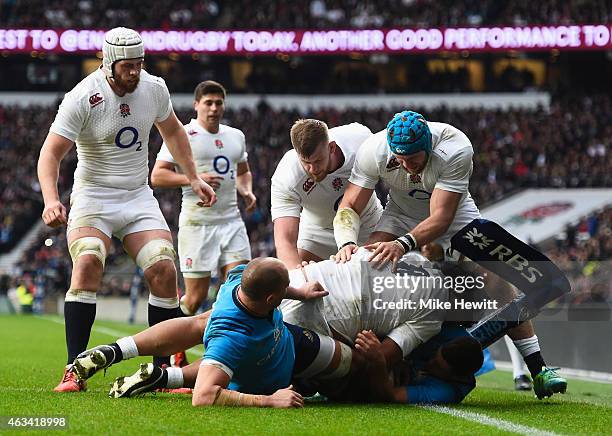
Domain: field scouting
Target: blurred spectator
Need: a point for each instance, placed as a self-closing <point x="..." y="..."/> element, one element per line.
<point x="565" y="146"/>
<point x="313" y="14"/>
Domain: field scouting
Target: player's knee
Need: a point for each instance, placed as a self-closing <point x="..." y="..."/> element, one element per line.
<point x="161" y="278"/>
<point x="88" y="253"/>
<point x="340" y="366"/>
<point x="201" y="321"/>
<point x="153" y="253"/>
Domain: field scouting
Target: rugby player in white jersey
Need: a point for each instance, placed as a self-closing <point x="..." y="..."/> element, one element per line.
<point x="427" y="166"/>
<point x="214" y="237"/>
<point x="109" y="115"/>
<point x="307" y="187"/>
<point x="355" y="298"/>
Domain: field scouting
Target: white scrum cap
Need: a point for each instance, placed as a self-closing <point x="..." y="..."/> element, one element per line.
<point x="120" y="43"/>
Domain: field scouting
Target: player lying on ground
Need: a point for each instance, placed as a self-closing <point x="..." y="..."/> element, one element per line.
<point x="440" y="371"/>
<point x="404" y="329"/>
<point x="251" y="355"/>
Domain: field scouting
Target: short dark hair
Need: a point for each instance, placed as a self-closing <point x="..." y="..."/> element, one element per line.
<point x="463" y="354"/>
<point x="307" y="134"/>
<point x="263" y="276"/>
<point x="208" y="87"/>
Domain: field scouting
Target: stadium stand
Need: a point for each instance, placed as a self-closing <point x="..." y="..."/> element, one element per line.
<point x="312" y="14"/>
<point x="514" y="149"/>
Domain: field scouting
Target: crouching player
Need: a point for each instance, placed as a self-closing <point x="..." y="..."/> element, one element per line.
<point x="251" y="356"/>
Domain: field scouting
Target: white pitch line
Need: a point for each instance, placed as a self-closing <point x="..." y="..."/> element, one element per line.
<point x="112" y="332"/>
<point x="490" y="421"/>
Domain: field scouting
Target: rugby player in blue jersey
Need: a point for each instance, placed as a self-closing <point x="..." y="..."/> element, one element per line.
<point x="251" y="356"/>
<point x="440" y="371"/>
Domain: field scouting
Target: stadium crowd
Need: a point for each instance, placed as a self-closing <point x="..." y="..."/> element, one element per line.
<point x="514" y="149"/>
<point x="312" y="14"/>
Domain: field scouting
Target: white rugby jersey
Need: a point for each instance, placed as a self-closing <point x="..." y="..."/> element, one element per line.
<point x="356" y="300"/>
<point x="449" y="168"/>
<point x="295" y="194"/>
<point x="112" y="132"/>
<point x="218" y="154"/>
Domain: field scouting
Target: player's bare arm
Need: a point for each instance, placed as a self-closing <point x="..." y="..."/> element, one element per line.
<point x="347" y="222"/>
<point x="211" y="390"/>
<point x="442" y="206"/>
<point x="164" y="175"/>
<point x="52" y="152"/>
<point x="286" y="231"/>
<point x="308" y="291"/>
<point x="174" y="136"/>
<point x="380" y="385"/>
<point x="244" y="186"/>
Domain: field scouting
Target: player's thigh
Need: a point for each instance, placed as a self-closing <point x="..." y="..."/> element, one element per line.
<point x="317" y="241"/>
<point x="134" y="242"/>
<point x="92" y="214"/>
<point x="395" y="222"/>
<point x="199" y="250"/>
<point x="142" y="221"/>
<point x="235" y="245"/>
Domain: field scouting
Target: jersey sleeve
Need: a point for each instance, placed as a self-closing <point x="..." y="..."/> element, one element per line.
<point x="455" y="177"/>
<point x="165" y="104"/>
<point x="224" y="350"/>
<point x="70" y="118"/>
<point x="432" y="390"/>
<point x="285" y="201"/>
<point x="365" y="171"/>
<point x="411" y="334"/>
<point x="243" y="155"/>
<point x="165" y="155"/>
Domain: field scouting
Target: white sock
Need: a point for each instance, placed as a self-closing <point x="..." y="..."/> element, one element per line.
<point x="175" y="378"/>
<point x="527" y="346"/>
<point x="128" y="347"/>
<point x="518" y="366"/>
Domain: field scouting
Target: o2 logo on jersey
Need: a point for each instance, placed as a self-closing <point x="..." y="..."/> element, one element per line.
<point x="221" y="165"/>
<point x="127" y="137"/>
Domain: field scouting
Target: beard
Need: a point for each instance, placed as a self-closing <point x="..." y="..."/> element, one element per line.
<point x="126" y="86"/>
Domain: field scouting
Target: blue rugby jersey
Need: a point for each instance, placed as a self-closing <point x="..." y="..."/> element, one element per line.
<point x="256" y="352"/>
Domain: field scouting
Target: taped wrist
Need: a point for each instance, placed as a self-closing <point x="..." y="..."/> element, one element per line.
<point x="408" y="242"/>
<point x="226" y="397"/>
<point x="346" y="226"/>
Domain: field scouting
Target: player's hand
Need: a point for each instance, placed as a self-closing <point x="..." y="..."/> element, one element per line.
<point x="54" y="214"/>
<point x="249" y="201"/>
<point x="284" y="399"/>
<point x="345" y="253"/>
<point x="384" y="252"/>
<point x="204" y="192"/>
<point x="213" y="180"/>
<point x="368" y="344"/>
<point x="311" y="291"/>
<point x="305" y="263"/>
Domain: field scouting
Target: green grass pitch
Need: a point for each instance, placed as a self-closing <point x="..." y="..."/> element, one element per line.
<point x="33" y="354"/>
